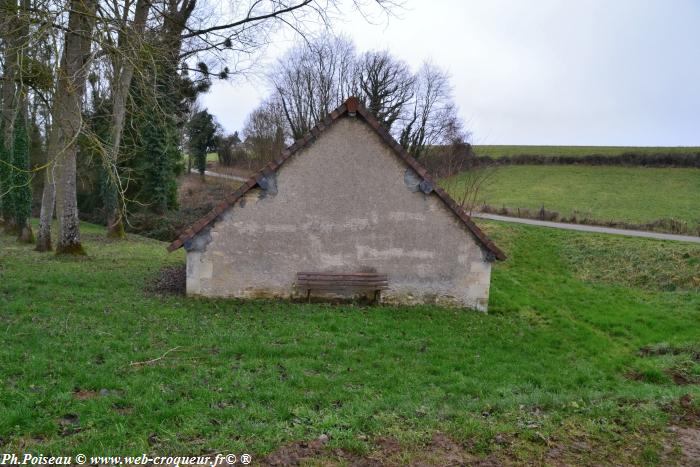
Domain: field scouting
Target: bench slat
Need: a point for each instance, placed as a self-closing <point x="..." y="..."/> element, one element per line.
<point x="344" y="286"/>
<point x="338" y="278"/>
<point x="343" y="278"/>
<point x="350" y="281"/>
<point x="369" y="281"/>
<point x="338" y="274"/>
<point x="343" y="283"/>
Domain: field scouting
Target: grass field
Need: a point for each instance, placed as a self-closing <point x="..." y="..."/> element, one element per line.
<point x="553" y="374"/>
<point x="211" y="157"/>
<point x="632" y="194"/>
<point x="515" y="150"/>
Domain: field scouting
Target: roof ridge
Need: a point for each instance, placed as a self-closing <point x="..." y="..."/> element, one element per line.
<point x="351" y="106"/>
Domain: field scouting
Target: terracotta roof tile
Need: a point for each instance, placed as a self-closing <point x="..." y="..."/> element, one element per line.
<point x="352" y="104"/>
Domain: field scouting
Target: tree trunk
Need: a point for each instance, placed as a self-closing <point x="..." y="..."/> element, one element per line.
<point x="68" y="121"/>
<point x="48" y="199"/>
<point x="23" y="199"/>
<point x="9" y="31"/>
<point x="123" y="73"/>
<point x="67" y="205"/>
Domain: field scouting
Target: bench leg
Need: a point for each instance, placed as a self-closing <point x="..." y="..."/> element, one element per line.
<point x="308" y="295"/>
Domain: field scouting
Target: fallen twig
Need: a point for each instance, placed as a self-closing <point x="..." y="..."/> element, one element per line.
<point x="149" y="362"/>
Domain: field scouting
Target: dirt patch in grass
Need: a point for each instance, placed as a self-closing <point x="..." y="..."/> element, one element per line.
<point x="682" y="364"/>
<point x="685" y="427"/>
<point x="634" y="375"/>
<point x="685" y="412"/>
<point x="692" y="351"/>
<point x="678" y="378"/>
<point x="440" y="450"/>
<point x="69" y="425"/>
<point x="663" y="266"/>
<point x="682" y="375"/>
<point x="689" y="440"/>
<point x="83" y="394"/>
<point x="300" y="451"/>
<point x="122" y="409"/>
<point x="170" y="280"/>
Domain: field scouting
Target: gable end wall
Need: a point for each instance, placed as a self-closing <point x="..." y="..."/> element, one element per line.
<point x="342" y="205"/>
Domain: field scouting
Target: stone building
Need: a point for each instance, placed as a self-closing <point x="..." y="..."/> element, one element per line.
<point x="346" y="198"/>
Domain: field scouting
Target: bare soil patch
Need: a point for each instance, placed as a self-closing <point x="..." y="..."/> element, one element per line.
<point x="170" y="280"/>
<point x="83" y="394"/>
<point x="685" y="426"/>
<point x="680" y="378"/>
<point x="664" y="349"/>
<point x="684" y="369"/>
<point x="686" y="412"/>
<point x="69" y="425"/>
<point x="689" y="440"/>
<point x="122" y="409"/>
<point x="441" y="450"/>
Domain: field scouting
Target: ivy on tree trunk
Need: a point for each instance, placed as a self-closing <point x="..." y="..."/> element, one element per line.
<point x="22" y="191"/>
<point x="6" y="211"/>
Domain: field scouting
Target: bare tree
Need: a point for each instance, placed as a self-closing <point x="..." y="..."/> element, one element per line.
<point x="386" y="85"/>
<point x="315" y="77"/>
<point x="179" y="31"/>
<point x="129" y="37"/>
<point x="312" y="79"/>
<point x="431" y="112"/>
<point x="67" y="125"/>
<point x="467" y="187"/>
<point x="230" y="150"/>
<point x="458" y="169"/>
<point x="264" y="133"/>
<point x="49" y="29"/>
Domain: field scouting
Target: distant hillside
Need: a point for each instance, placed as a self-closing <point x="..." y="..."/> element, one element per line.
<point x="515" y="150"/>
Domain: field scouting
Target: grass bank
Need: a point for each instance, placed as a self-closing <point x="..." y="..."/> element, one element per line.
<point x="555" y="373"/>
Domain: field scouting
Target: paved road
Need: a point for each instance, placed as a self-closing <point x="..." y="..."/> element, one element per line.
<point x="226" y="176"/>
<point x="590" y="228"/>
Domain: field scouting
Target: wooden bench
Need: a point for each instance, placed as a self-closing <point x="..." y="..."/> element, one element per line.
<point x="342" y="282"/>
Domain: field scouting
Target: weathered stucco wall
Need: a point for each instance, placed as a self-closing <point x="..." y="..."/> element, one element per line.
<point x="341" y="205"/>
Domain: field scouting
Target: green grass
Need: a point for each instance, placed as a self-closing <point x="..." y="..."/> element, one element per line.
<point x="656" y="266"/>
<point x="211" y="157"/>
<point x="549" y="365"/>
<point x="516" y="150"/>
<point x="631" y="194"/>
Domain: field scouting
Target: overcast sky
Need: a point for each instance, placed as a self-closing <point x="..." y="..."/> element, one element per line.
<point x="543" y="72"/>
